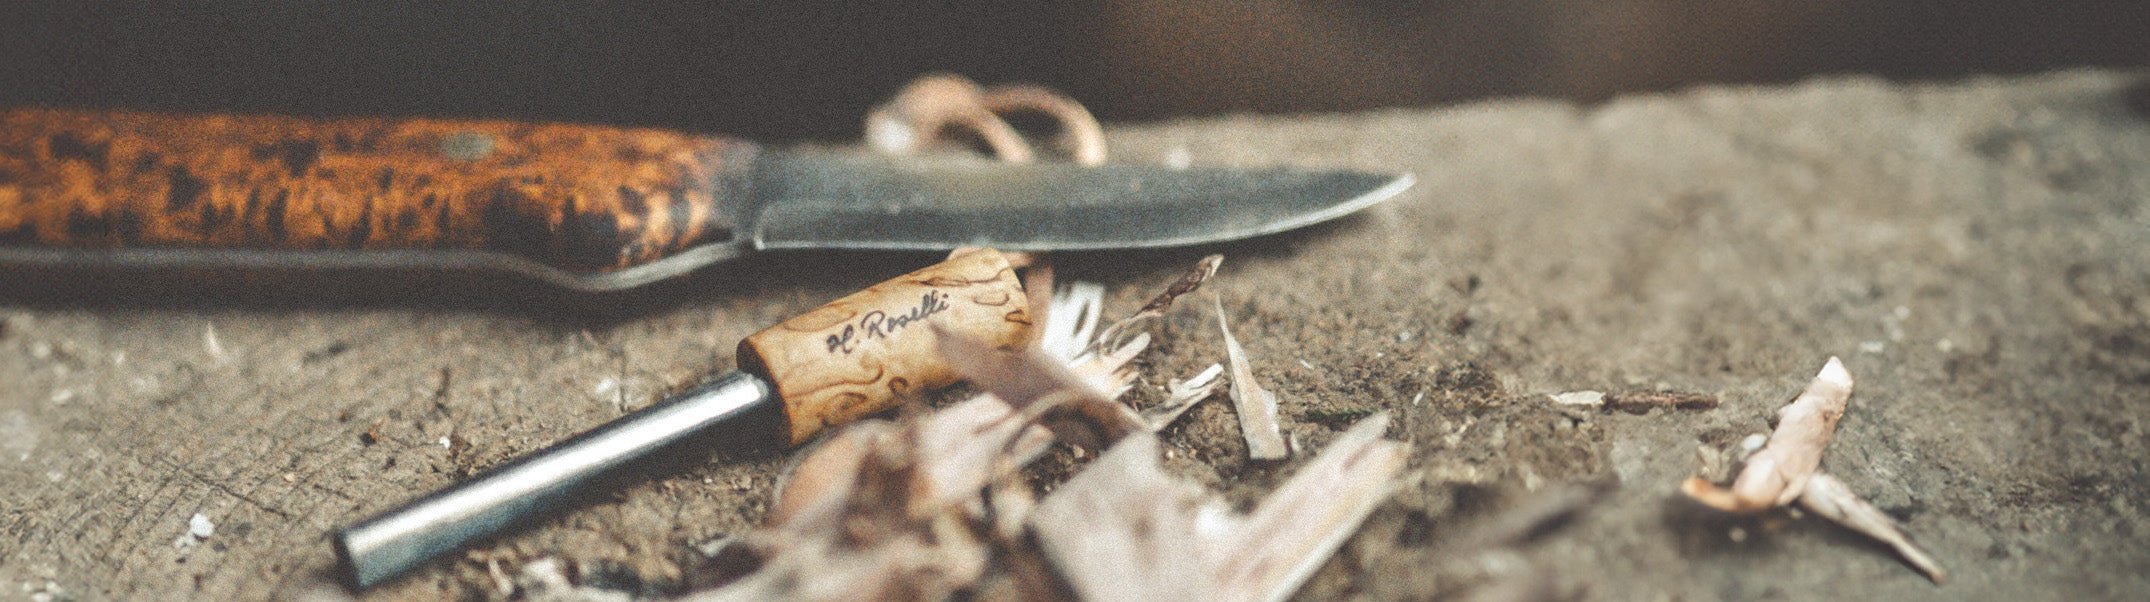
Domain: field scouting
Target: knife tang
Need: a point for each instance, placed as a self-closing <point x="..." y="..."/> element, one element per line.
<point x="579" y="200"/>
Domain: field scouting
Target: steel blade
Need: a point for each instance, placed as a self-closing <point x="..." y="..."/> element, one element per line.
<point x="830" y="201"/>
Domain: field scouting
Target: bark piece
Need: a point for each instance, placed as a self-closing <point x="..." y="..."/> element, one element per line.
<point x="1641" y="402"/>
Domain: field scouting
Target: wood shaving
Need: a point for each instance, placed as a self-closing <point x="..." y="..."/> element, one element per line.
<point x="1123" y="530"/>
<point x="550" y="580"/>
<point x="1068" y="338"/>
<point x="1181" y="395"/>
<point x="1193" y="279"/>
<point x="915" y="117"/>
<point x="1828" y="497"/>
<point x="1085" y="136"/>
<point x="1787" y="469"/>
<point x="1075" y="402"/>
<point x="1257" y="407"/>
<point x="934" y="505"/>
<point x="919" y="508"/>
<point x="1776" y="475"/>
<point x="919" y="114"/>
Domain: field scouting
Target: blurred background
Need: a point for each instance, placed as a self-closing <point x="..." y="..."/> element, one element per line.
<point x="809" y="69"/>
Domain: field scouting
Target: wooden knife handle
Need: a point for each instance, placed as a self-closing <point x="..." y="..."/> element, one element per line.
<point x="867" y="352"/>
<point x="584" y="199"/>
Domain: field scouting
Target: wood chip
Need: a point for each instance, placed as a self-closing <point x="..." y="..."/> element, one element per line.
<point x="1828" y="497"/>
<point x="1041" y="386"/>
<point x="1787" y="469"/>
<point x="1201" y="272"/>
<point x="1181" y="395"/>
<point x="934" y="504"/>
<point x="1257" y="407"/>
<point x="1778" y="473"/>
<point x="1080" y="302"/>
<point x="1124" y="530"/>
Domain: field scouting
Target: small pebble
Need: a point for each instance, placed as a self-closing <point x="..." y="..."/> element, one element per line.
<point x="1753" y="443"/>
<point x="198" y="529"/>
<point x="199" y="526"/>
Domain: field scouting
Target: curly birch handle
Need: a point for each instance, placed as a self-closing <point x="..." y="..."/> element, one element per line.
<point x="581" y="198"/>
<point x="865" y="353"/>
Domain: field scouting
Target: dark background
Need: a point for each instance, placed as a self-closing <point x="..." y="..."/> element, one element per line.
<point x="809" y="69"/>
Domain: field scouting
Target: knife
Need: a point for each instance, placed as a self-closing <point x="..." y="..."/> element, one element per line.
<point x="586" y="207"/>
<point x="601" y="208"/>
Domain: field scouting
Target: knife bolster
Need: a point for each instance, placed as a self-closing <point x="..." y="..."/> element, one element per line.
<point x="870" y="351"/>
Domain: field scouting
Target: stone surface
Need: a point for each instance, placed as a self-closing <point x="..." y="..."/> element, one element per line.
<point x="1977" y="251"/>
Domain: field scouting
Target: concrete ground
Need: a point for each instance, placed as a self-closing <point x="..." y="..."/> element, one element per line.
<point x="1978" y="253"/>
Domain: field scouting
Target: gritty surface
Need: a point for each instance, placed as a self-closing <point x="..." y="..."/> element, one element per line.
<point x="1977" y="252"/>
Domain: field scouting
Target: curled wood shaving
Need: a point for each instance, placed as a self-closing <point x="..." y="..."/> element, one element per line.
<point x="933" y="505"/>
<point x="917" y="116"/>
<point x="1257" y="407"/>
<point x="1123" y="530"/>
<point x="1787" y="469"/>
<point x="1194" y="278"/>
<point x="1046" y="387"/>
<point x="1826" y="496"/>
<point x="1085" y="136"/>
<point x="915" y="509"/>
<point x="914" y="118"/>
<point x="1778" y="473"/>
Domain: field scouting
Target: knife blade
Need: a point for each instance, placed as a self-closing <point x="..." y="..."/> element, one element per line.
<point x="585" y="207"/>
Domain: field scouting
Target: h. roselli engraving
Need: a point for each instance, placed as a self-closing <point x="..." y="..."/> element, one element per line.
<point x="877" y="324"/>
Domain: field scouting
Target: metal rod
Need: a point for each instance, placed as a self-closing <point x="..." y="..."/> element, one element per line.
<point x="397" y="540"/>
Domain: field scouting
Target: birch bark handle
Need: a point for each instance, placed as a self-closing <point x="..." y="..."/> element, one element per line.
<point x="868" y="352"/>
<point x="585" y="199"/>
